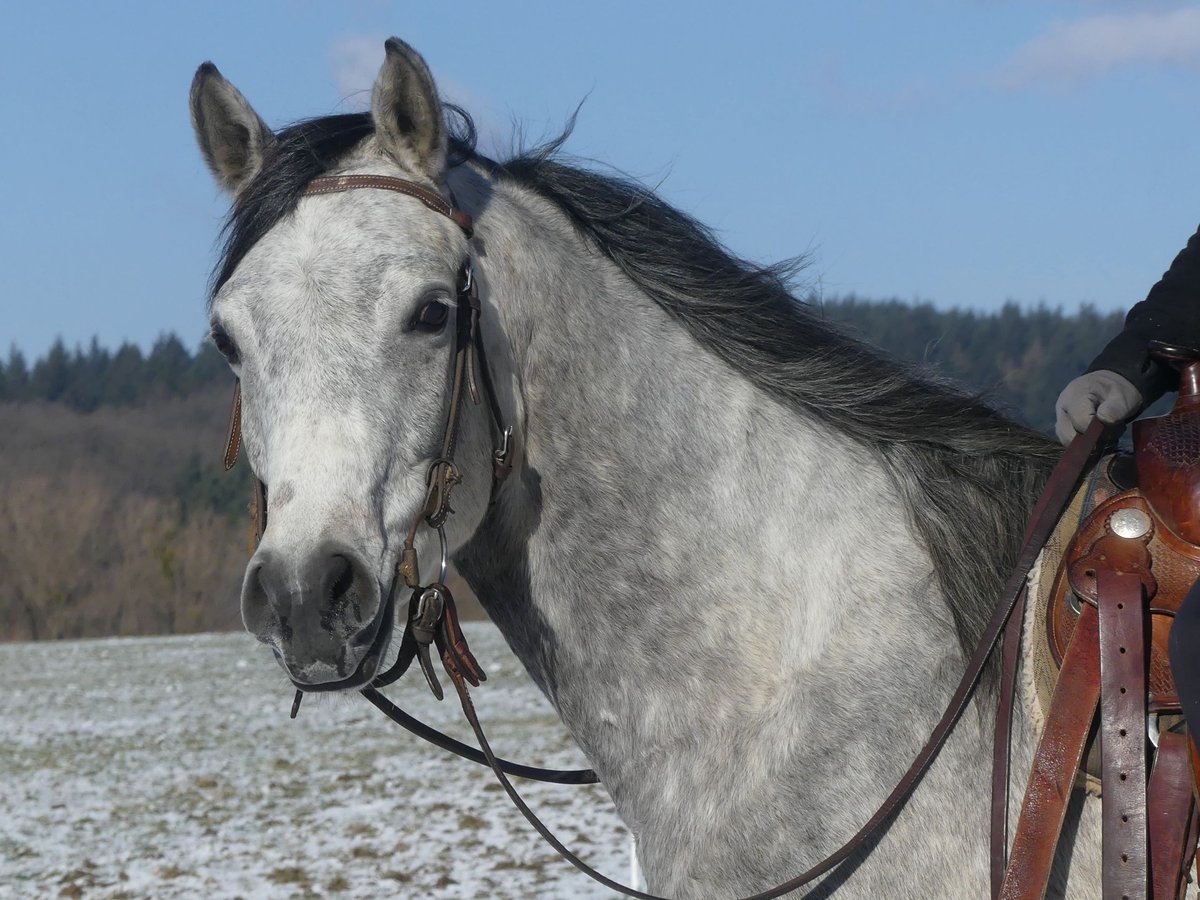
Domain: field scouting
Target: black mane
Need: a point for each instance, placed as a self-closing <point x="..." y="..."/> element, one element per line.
<point x="967" y="474"/>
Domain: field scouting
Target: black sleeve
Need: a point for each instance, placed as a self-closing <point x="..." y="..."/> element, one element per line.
<point x="1171" y="313"/>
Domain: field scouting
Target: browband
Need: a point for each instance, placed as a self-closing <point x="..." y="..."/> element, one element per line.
<point x="335" y="184"/>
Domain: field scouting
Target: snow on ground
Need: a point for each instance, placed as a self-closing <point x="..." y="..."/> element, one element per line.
<point x="168" y="767"/>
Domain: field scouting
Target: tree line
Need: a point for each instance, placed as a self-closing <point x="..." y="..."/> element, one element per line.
<point x="1020" y="358"/>
<point x="116" y="516"/>
<point x="88" y="379"/>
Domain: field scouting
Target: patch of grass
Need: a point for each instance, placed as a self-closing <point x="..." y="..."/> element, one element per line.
<point x="15" y="850"/>
<point x="288" y="875"/>
<point x="361" y="829"/>
<point x="397" y="876"/>
<point x="74" y="881"/>
<point x="509" y="864"/>
<point x="471" y="821"/>
<point x="289" y="789"/>
<point x="364" y="852"/>
<point x="337" y="884"/>
<point x="169" y="871"/>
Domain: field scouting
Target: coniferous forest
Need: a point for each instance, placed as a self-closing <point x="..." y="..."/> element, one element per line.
<point x="116" y="516"/>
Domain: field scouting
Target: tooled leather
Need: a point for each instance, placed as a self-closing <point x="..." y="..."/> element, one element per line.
<point x="1109" y="552"/>
<point x="1123" y="733"/>
<point x="1168" y="460"/>
<point x="1173" y="568"/>
<point x="1172" y="816"/>
<point x="1052" y="774"/>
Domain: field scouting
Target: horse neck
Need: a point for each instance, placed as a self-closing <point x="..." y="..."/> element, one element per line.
<point x="677" y="551"/>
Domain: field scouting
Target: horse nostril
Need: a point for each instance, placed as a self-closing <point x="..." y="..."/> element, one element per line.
<point x="342" y="572"/>
<point x="345" y="591"/>
<point x="258" y="611"/>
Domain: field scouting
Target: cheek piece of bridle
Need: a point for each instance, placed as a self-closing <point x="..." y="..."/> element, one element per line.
<point x="433" y="619"/>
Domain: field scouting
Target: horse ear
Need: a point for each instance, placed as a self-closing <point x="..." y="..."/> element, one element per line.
<point x="232" y="137"/>
<point x="407" y="112"/>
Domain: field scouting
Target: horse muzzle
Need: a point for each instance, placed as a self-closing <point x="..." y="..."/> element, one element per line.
<point x="322" y="612"/>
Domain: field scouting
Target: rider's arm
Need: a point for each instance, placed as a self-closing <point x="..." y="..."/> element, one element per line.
<point x="1124" y="378"/>
<point x="1170" y="313"/>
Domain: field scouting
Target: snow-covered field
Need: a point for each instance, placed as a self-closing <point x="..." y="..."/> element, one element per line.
<point x="168" y="767"/>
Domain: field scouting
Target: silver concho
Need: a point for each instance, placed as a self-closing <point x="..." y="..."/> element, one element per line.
<point x="1129" y="523"/>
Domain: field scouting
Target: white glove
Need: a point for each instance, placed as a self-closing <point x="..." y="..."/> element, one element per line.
<point x="1105" y="394"/>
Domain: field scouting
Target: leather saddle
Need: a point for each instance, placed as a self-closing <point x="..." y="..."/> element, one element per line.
<point x="1150" y="528"/>
<point x="1114" y="714"/>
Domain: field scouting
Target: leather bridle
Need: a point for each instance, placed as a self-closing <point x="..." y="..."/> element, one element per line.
<point x="432" y="615"/>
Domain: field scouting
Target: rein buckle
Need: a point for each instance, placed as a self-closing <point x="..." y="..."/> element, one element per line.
<point x="426" y="619"/>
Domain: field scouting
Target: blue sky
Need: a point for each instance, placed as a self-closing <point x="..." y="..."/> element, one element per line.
<point x="964" y="153"/>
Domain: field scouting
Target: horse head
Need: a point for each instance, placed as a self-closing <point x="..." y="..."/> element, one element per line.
<point x="338" y="317"/>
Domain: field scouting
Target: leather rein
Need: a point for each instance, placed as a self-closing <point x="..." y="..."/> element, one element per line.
<point x="433" y="619"/>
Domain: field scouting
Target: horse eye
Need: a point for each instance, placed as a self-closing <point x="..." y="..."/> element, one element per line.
<point x="224" y="344"/>
<point x="431" y="316"/>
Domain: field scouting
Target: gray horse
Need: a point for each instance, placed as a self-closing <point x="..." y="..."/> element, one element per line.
<point x="740" y="553"/>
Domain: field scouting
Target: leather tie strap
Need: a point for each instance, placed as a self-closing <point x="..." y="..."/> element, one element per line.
<point x="258" y="513"/>
<point x="233" y="442"/>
